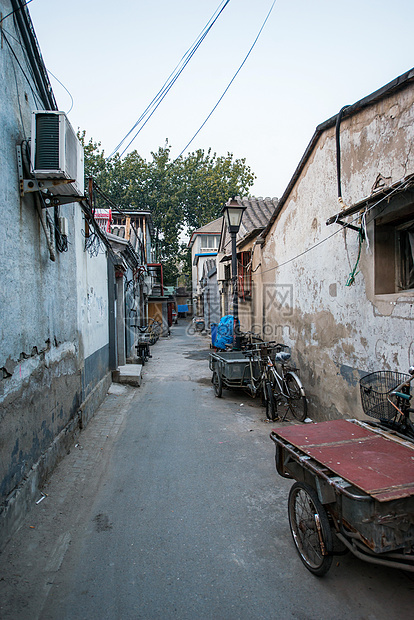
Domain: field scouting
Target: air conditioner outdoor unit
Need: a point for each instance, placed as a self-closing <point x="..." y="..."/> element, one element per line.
<point x="56" y="152"/>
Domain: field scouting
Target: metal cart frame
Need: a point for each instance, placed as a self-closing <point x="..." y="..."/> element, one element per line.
<point x="356" y="482"/>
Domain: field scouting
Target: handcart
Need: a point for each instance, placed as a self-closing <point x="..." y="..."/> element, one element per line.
<point x="354" y="491"/>
<point x="232" y="369"/>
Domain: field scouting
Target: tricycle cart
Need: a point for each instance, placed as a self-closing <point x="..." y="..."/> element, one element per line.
<point x="354" y="491"/>
<point x="232" y="369"/>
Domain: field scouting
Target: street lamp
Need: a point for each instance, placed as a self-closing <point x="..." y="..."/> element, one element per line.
<point x="233" y="213"/>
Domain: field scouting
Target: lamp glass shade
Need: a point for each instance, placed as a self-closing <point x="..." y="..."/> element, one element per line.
<point x="233" y="213"/>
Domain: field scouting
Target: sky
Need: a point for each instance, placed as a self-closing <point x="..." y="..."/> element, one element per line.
<point x="312" y="58"/>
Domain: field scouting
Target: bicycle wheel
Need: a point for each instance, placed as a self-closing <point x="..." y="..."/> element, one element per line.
<point x="407" y="424"/>
<point x="217" y="382"/>
<point x="310" y="529"/>
<point x="296" y="397"/>
<point x="270" y="402"/>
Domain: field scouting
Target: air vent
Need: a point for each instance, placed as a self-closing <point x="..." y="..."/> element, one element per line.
<point x="47" y="142"/>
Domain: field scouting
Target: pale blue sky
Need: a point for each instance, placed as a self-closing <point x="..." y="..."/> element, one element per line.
<point x="311" y="59"/>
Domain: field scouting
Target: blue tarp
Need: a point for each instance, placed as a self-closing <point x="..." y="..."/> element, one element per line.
<point x="224" y="332"/>
<point x="213" y="328"/>
<point x="182" y="308"/>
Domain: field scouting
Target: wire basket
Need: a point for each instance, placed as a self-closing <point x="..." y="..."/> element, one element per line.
<point x="375" y="390"/>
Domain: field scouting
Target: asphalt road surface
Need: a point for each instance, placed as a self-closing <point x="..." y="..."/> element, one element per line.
<point x="170" y="507"/>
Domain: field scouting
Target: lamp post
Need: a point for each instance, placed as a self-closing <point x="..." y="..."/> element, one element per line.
<point x="233" y="213"/>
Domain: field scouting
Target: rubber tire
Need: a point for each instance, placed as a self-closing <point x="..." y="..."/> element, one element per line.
<point x="270" y="402"/>
<point x="217" y="382"/>
<point x="297" y="402"/>
<point x="304" y="508"/>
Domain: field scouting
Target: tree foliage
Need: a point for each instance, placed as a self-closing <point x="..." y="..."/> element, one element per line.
<point x="182" y="195"/>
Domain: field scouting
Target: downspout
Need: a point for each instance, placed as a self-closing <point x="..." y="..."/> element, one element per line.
<point x="338" y="153"/>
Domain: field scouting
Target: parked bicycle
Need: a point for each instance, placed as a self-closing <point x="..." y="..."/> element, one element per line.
<point x="258" y="375"/>
<point x="154" y="330"/>
<point x="143" y="343"/>
<point x="385" y="395"/>
<point x="283" y="384"/>
<point x="147" y="336"/>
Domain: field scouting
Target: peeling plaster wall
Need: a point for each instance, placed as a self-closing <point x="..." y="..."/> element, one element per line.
<point x="339" y="333"/>
<point x="92" y="308"/>
<point x="54" y="318"/>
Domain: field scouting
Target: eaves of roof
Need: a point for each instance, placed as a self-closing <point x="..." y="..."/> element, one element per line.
<point x="212" y="228"/>
<point x="203" y="254"/>
<point x="34" y="55"/>
<point x="144" y="213"/>
<point x="397" y="84"/>
<point x="255" y="218"/>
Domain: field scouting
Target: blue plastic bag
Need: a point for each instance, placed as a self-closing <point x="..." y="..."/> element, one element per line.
<point x="224" y="332"/>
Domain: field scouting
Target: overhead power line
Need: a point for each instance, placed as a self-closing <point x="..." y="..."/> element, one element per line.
<point x="170" y="81"/>
<point x="231" y="81"/>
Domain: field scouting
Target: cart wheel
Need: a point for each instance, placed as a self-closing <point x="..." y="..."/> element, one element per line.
<point x="270" y="402"/>
<point x="296" y="401"/>
<point x="217" y="383"/>
<point x="310" y="529"/>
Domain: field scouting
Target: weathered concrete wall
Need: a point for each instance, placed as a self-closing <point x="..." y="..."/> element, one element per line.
<point x="339" y="332"/>
<point x="54" y="317"/>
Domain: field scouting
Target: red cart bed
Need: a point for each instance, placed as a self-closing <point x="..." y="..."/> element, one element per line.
<point x="361" y="478"/>
<point x="373" y="462"/>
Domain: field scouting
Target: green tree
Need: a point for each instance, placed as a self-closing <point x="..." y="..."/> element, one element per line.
<point x="183" y="194"/>
<point x="208" y="181"/>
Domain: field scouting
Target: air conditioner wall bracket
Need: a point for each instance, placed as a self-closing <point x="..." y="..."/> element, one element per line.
<point x="28" y="186"/>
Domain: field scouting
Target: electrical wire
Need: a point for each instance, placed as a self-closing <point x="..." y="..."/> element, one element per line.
<point x="50" y="73"/>
<point x="18" y="94"/>
<point x="19" y="42"/>
<point x="15" y="10"/>
<point x="354" y="272"/>
<point x="399" y="188"/>
<point x="35" y="95"/>
<point x="172" y="78"/>
<point x="63" y="86"/>
<point x="231" y="81"/>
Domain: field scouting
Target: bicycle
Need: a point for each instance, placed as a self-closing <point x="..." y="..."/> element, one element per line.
<point x="244" y="369"/>
<point x="143" y="343"/>
<point x="284" y="383"/>
<point x="249" y="340"/>
<point x="385" y="395"/>
<point x="257" y="380"/>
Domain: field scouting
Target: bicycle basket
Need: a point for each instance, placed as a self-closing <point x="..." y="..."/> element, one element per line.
<point x="375" y="389"/>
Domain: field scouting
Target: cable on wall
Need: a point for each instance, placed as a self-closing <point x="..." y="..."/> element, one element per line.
<point x="402" y="185"/>
<point x="15" y="11"/>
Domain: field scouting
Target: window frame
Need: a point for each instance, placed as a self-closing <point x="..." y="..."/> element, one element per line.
<point x="389" y="228"/>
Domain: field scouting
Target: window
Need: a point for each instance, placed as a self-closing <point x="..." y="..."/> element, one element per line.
<point x="394" y="251"/>
<point x="244" y="272"/>
<point x="210" y="242"/>
<point x="406" y="248"/>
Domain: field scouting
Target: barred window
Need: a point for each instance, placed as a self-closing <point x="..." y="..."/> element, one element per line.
<point x="244" y="272"/>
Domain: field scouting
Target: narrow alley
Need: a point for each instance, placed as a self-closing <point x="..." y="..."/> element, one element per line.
<point x="170" y="507"/>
